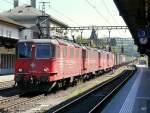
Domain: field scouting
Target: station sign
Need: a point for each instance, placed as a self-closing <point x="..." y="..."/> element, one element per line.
<point x="143" y="35"/>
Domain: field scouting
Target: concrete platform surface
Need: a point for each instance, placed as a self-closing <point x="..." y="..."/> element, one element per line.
<point x="134" y="97"/>
<point x="4" y="78"/>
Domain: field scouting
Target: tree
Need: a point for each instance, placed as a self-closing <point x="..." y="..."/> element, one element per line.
<point x="113" y="42"/>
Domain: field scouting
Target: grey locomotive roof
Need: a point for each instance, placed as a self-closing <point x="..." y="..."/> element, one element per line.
<point x="26" y="12"/>
<point x="53" y="41"/>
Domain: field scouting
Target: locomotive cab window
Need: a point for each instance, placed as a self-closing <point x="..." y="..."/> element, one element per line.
<point x="45" y="51"/>
<point x="24" y="50"/>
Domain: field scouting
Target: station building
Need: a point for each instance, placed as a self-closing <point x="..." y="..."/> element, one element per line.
<point x="9" y="34"/>
<point x="27" y="15"/>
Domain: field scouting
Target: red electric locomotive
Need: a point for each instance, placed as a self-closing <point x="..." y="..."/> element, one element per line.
<point x="42" y="64"/>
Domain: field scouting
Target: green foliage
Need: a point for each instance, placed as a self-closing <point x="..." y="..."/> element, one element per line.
<point x="82" y="40"/>
<point x="113" y="42"/>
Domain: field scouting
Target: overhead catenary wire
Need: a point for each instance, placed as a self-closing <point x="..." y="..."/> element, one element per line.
<point x="68" y="18"/>
<point x="115" y="16"/>
<point x="105" y="5"/>
<point x="98" y="12"/>
<point x="103" y="17"/>
<point x="109" y="12"/>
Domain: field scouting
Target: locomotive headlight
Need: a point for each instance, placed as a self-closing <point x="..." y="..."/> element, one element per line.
<point x="46" y="69"/>
<point x="20" y="70"/>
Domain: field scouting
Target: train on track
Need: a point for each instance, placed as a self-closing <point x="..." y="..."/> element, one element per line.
<point x="42" y="64"/>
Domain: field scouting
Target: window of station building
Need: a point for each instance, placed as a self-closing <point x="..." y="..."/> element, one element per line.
<point x="65" y="52"/>
<point x="5" y="61"/>
<point x="10" y="33"/>
<point x="1" y="62"/>
<point x="2" y="32"/>
<point x="8" y="61"/>
<point x="7" y="33"/>
<point x="13" y="61"/>
<point x="71" y="52"/>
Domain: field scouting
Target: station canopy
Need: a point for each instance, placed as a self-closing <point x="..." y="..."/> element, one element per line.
<point x="136" y="14"/>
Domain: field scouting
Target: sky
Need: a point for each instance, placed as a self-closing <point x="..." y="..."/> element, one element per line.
<point x="81" y="13"/>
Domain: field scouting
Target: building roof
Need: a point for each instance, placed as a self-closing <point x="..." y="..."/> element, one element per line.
<point x="10" y="21"/>
<point x="26" y="11"/>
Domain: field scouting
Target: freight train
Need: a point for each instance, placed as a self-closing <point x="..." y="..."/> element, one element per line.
<point x="42" y="64"/>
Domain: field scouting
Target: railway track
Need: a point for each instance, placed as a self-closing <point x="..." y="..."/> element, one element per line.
<point x="94" y="100"/>
<point x="7" y="84"/>
<point x="8" y="100"/>
<point x="19" y="103"/>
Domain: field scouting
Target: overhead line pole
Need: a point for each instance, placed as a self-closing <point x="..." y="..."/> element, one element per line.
<point x="44" y="20"/>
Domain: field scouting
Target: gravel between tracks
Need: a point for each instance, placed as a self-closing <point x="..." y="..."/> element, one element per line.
<point x="60" y="96"/>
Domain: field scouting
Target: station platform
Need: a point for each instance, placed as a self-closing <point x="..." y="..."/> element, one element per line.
<point x="134" y="96"/>
<point x="4" y="78"/>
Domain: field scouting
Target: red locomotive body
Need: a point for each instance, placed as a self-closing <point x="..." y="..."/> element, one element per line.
<point x="53" y="61"/>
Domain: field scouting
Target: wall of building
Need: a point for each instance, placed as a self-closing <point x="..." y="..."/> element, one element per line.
<point x="7" y="56"/>
<point x="30" y="33"/>
<point x="9" y="31"/>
